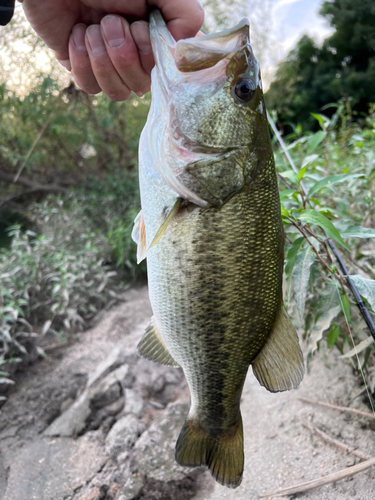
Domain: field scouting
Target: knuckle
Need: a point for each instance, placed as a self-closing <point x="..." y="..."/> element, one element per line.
<point x="118" y="95"/>
<point x="198" y="17"/>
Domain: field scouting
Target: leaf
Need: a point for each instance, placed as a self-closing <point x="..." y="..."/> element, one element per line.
<point x="316" y="140"/>
<point x="302" y="172"/>
<point x="322" y="119"/>
<point x="331" y="180"/>
<point x="359" y="348"/>
<point x="358" y="232"/>
<point x="309" y="159"/>
<point x="366" y="288"/>
<point x="301" y="276"/>
<point x="46" y="327"/>
<point x="313" y="217"/>
<point x="333" y="336"/>
<point x="292" y="254"/>
<point x="4" y="380"/>
<point x="287" y="193"/>
<point x="291" y="175"/>
<point x="41" y="352"/>
<point x="323" y="323"/>
<point x="345" y="306"/>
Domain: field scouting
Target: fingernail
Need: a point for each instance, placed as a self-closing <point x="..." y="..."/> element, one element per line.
<point x="95" y="40"/>
<point x="141" y="36"/>
<point x="79" y="32"/>
<point x="113" y="30"/>
<point x="66" y="64"/>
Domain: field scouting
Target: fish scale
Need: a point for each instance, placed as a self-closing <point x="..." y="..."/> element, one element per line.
<point x="211" y="229"/>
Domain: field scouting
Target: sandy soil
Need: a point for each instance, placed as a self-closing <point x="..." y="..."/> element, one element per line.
<point x="94" y="422"/>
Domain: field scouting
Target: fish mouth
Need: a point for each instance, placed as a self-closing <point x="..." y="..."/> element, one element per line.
<point x="174" y="59"/>
<point x="196" y="68"/>
<point x="198" y="60"/>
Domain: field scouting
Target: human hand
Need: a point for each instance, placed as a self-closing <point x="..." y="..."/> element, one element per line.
<point x="105" y="43"/>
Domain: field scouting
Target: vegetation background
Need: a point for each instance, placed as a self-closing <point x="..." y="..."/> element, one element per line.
<point x="69" y="187"/>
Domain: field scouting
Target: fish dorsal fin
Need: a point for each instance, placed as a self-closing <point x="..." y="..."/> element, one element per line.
<point x="174" y="211"/>
<point x="152" y="347"/>
<point x="139" y="237"/>
<point x="279" y="365"/>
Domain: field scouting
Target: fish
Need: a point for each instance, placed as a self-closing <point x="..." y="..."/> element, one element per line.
<point x="211" y="229"/>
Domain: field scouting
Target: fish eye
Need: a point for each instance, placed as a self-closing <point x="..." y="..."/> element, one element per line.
<point x="244" y="89"/>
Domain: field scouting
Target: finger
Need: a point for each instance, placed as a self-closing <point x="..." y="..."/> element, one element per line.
<point x="184" y="18"/>
<point x="80" y="61"/>
<point x="105" y="73"/>
<point x="141" y="36"/>
<point x="123" y="53"/>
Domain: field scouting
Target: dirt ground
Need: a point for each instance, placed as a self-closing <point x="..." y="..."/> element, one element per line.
<point x="95" y="422"/>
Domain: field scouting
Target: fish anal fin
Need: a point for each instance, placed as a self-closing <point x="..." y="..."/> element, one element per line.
<point x="279" y="365"/>
<point x="152" y="347"/>
<point x="139" y="237"/>
<point x="223" y="454"/>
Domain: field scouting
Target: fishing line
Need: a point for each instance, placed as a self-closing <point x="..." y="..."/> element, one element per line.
<point x="357" y="297"/>
<point x="355" y="350"/>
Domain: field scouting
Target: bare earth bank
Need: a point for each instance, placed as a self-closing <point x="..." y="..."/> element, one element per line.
<point x="95" y="422"/>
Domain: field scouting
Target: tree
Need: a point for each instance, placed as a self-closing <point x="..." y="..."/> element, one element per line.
<point x="343" y="67"/>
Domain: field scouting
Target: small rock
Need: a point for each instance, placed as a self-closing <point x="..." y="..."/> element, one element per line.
<point x="133" y="402"/>
<point x="101" y="392"/>
<point x="108" y="396"/>
<point x="159" y="384"/>
<point x="130" y="489"/>
<point x="124" y="434"/>
<point x="154" y="450"/>
<point x="173" y="376"/>
<point x="66" y="404"/>
<point x="93" y="495"/>
<point x="113" y="361"/>
<point x="114" y="489"/>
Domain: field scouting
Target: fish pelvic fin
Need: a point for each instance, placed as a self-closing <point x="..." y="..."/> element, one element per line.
<point x="223" y="454"/>
<point x="279" y="365"/>
<point x="152" y="347"/>
<point x="139" y="237"/>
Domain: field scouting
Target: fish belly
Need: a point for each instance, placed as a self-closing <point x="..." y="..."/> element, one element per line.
<point x="215" y="288"/>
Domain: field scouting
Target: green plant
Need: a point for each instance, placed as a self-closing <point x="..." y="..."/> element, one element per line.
<point x="337" y="167"/>
<point x="54" y="282"/>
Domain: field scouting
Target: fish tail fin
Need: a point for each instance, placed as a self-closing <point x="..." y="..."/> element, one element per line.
<point x="223" y="455"/>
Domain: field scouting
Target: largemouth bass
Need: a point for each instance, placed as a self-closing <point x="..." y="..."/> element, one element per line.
<point x="211" y="229"/>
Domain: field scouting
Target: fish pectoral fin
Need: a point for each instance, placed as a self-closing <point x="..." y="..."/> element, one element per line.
<point x="223" y="454"/>
<point x="279" y="365"/>
<point x="152" y="347"/>
<point x="175" y="209"/>
<point x="139" y="237"/>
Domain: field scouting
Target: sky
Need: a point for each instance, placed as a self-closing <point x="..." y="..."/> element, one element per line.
<point x="293" y="18"/>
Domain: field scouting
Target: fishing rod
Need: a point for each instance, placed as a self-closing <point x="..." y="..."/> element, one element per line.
<point x="361" y="305"/>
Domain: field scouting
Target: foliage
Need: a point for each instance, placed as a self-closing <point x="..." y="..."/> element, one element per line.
<point x="343" y="67"/>
<point x="54" y="282"/>
<point x="111" y="205"/>
<point x="337" y="169"/>
<point x="63" y="135"/>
